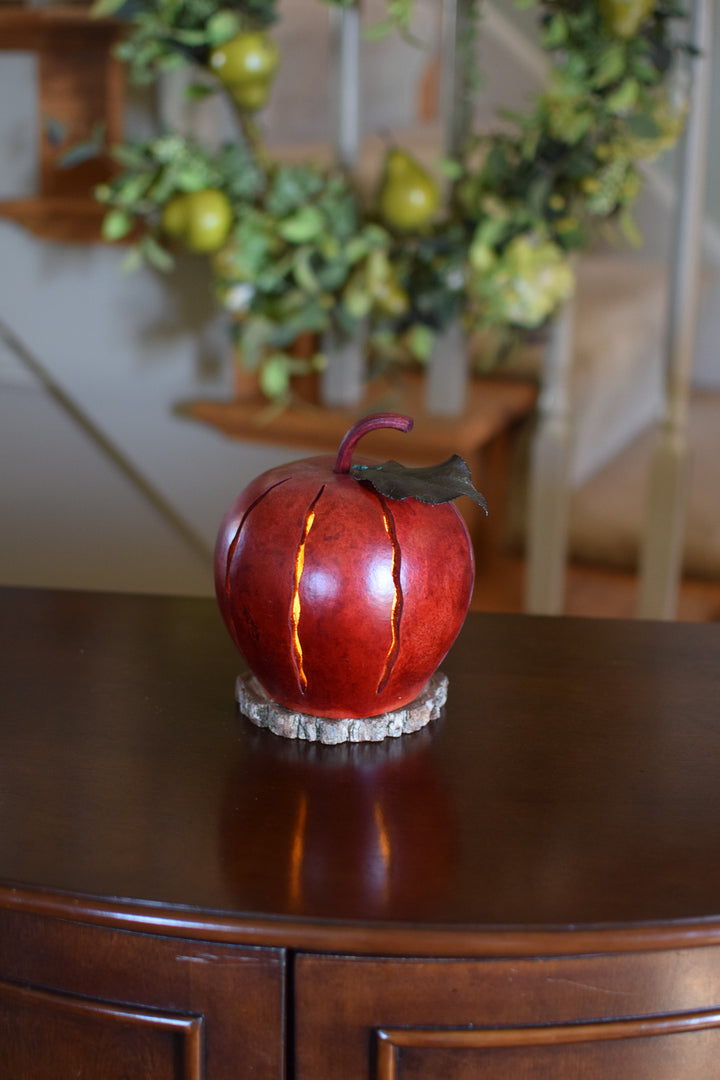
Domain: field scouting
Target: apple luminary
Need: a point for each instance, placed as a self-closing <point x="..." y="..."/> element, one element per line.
<point x="343" y="584"/>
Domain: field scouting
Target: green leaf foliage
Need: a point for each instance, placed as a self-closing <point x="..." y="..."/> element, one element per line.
<point x="306" y="250"/>
<point x="103" y="8"/>
<point x="222" y="25"/>
<point x="275" y="375"/>
<point x="156" y="254"/>
<point x="116" y="225"/>
<point x="303" y="225"/>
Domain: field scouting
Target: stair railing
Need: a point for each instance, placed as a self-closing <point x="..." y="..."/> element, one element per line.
<point x="549" y="490"/>
<point x="662" y="551"/>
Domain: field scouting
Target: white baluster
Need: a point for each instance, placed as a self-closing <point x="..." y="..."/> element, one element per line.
<point x="448" y="369"/>
<point x="548" y="497"/>
<point x="661" y="557"/>
<point x="446" y="378"/>
<point x="200" y="120"/>
<point x="345" y="82"/>
<point x="453" y="79"/>
<point x="342" y="383"/>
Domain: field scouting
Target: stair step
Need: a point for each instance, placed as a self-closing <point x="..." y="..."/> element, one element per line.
<point x="617" y="385"/>
<point x="617" y="369"/>
<point x="619" y="329"/>
<point x="607" y="512"/>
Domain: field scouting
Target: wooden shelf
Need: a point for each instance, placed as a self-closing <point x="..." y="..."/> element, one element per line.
<point x="80" y="84"/>
<point x="66" y="219"/>
<point x="483" y="434"/>
<point x="494" y="404"/>
<point x="36" y="27"/>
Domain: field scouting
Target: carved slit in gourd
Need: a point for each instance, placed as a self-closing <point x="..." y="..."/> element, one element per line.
<point x="236" y="538"/>
<point x="295" y="606"/>
<point x="397" y="601"/>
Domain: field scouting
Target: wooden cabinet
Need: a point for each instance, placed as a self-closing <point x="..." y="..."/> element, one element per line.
<point x="529" y="888"/>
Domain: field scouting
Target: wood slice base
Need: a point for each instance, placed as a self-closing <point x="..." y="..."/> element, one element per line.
<point x="255" y="704"/>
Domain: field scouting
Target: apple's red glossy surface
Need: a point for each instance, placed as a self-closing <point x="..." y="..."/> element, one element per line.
<point x="342" y="601"/>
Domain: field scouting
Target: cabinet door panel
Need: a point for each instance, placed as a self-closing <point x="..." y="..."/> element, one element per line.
<point x="49" y="1035"/>
<point x="648" y="1048"/>
<point x="551" y="1017"/>
<point x="143" y="994"/>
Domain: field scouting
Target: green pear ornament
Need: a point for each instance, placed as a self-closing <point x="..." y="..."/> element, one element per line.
<point x="246" y="66"/>
<point x="623" y="18"/>
<point x="408" y="197"/>
<point x="200" y="220"/>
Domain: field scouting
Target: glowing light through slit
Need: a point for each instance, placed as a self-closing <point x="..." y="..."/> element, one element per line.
<point x="295" y="608"/>
<point x="397" y="600"/>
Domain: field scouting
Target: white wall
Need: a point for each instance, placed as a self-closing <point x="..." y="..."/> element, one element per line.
<point x="124" y="349"/>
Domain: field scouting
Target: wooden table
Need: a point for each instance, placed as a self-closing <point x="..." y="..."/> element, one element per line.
<point x="529" y="887"/>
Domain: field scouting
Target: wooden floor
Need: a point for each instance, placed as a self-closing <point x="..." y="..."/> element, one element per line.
<point x="591" y="591"/>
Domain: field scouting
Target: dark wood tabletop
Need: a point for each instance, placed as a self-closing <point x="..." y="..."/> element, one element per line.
<point x="573" y="783"/>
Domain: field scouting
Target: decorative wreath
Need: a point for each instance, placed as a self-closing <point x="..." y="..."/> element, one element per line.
<point x="295" y="248"/>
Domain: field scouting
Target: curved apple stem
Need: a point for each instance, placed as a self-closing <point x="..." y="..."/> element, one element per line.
<point x="361" y="428"/>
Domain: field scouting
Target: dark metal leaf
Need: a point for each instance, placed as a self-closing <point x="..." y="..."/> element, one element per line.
<point x="430" y="484"/>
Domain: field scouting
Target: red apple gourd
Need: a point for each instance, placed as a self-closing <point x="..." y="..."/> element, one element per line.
<point x="342" y="600"/>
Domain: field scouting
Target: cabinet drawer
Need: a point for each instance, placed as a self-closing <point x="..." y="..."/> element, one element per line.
<point x="75" y="996"/>
<point x="634" y="1015"/>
